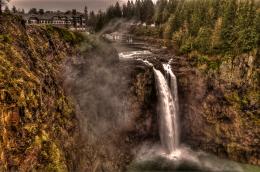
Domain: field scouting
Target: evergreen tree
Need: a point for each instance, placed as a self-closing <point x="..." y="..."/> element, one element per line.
<point x="3" y="3"/>
<point x="117" y="10"/>
<point x="100" y="21"/>
<point x="258" y="27"/>
<point x="147" y="11"/>
<point x="246" y="32"/>
<point x="216" y="36"/>
<point x="161" y="12"/>
<point x="202" y="41"/>
<point x="169" y="27"/>
<point x="137" y="10"/>
<point x="14" y="10"/>
<point x="92" y="20"/>
<point x="172" y="5"/>
<point x="7" y="10"/>
<point x="33" y="11"/>
<point x="228" y="26"/>
<point x="86" y="13"/>
<point x="74" y="12"/>
<point x="125" y="11"/>
<point x="130" y="9"/>
<point x="41" y="11"/>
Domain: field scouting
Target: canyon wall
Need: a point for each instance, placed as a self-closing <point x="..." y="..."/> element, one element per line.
<point x="219" y="100"/>
<point x="37" y="119"/>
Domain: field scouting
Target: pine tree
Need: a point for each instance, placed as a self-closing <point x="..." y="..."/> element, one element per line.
<point x="258" y="27"/>
<point x="124" y="11"/>
<point x="169" y="27"/>
<point x="7" y="10"/>
<point x="228" y="26"/>
<point x="147" y="11"/>
<point x="118" y="12"/>
<point x="41" y="11"/>
<point x="202" y="41"/>
<point x="92" y="20"/>
<point x="246" y="33"/>
<point x="137" y="10"/>
<point x="14" y="10"/>
<point x="3" y="3"/>
<point x="160" y="11"/>
<point x="216" y="37"/>
<point x="86" y="13"/>
<point x="100" y="21"/>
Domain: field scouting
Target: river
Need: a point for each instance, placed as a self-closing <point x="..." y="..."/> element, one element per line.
<point x="169" y="154"/>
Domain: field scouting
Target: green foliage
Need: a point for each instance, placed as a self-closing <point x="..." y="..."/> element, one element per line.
<point x="30" y="93"/>
<point x="68" y="36"/>
<point x="148" y="31"/>
<point x="202" y="41"/>
<point x="6" y="38"/>
<point x="211" y="26"/>
<point x="187" y="45"/>
<point x="258" y="26"/>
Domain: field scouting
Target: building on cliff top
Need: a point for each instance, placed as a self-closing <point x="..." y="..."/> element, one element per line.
<point x="73" y="22"/>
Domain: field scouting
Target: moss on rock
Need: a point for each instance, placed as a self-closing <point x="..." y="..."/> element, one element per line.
<point x="37" y="120"/>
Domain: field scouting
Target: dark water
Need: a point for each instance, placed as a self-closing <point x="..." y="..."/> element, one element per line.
<point x="152" y="159"/>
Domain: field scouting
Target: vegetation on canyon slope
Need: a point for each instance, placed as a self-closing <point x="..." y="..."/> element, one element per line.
<point x="220" y="37"/>
<point x="37" y="119"/>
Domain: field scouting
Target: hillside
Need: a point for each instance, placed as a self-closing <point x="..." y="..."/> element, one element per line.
<point x="37" y="121"/>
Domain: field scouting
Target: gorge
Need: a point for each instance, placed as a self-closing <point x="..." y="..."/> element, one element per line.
<point x="77" y="103"/>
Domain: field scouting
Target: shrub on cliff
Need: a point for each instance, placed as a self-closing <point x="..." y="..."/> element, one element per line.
<point x="37" y="119"/>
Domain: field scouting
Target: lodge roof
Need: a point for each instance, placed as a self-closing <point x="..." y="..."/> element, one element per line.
<point x="50" y="16"/>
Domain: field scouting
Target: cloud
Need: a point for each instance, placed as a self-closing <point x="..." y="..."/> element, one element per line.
<point x="63" y="5"/>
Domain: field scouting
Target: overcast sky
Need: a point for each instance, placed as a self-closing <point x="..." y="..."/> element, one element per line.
<point x="64" y="5"/>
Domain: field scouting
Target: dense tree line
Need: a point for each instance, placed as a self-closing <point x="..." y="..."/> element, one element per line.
<point x="210" y="26"/>
<point x="140" y="10"/>
<point x="207" y="26"/>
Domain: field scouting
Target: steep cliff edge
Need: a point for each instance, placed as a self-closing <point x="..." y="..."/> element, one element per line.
<point x="67" y="102"/>
<point x="37" y="120"/>
<point x="219" y="99"/>
<point x="115" y="107"/>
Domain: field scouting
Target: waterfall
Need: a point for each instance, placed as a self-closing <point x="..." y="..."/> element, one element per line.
<point x="168" y="107"/>
<point x="172" y="82"/>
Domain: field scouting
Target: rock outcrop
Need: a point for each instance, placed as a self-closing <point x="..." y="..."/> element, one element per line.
<point x="220" y="105"/>
<point x="37" y="119"/>
<point x="115" y="106"/>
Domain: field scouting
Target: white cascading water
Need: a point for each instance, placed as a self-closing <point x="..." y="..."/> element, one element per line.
<point x="172" y="82"/>
<point x="168" y="107"/>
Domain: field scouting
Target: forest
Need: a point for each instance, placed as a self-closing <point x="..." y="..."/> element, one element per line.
<point x="207" y="26"/>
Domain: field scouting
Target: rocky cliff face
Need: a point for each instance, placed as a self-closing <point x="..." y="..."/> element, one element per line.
<point x="69" y="108"/>
<point x="37" y="120"/>
<point x="112" y="103"/>
<point x="115" y="106"/>
<point x="220" y="105"/>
